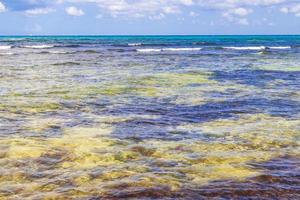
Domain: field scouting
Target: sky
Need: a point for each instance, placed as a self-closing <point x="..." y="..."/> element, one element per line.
<point x="149" y="17"/>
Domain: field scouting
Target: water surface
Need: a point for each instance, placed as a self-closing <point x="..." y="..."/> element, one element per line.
<point x="149" y="117"/>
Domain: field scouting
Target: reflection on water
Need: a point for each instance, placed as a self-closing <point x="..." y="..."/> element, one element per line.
<point x="82" y="123"/>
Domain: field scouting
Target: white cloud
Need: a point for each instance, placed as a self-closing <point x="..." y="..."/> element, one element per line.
<point x="237" y="15"/>
<point x="226" y="4"/>
<point x="233" y="10"/>
<point x="293" y="9"/>
<point x="241" y="11"/>
<point x="235" y="19"/>
<point x="171" y="10"/>
<point x="2" y="7"/>
<point x="146" y="8"/>
<point x="139" y="8"/>
<point x="157" y="17"/>
<point x="73" y="11"/>
<point x="284" y="10"/>
<point x="187" y="2"/>
<point x="39" y="11"/>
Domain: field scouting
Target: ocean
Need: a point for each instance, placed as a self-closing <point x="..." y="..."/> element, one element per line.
<point x="150" y="117"/>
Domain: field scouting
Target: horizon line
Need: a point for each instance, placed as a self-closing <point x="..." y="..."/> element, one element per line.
<point x="33" y="35"/>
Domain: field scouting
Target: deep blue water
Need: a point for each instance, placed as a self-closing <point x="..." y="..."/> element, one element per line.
<point x="243" y="40"/>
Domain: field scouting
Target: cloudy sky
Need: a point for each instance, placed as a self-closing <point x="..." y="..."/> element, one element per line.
<point x="40" y="17"/>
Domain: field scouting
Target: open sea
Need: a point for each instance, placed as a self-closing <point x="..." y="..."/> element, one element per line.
<point x="150" y="117"/>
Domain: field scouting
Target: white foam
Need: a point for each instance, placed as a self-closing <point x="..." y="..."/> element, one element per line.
<point x="134" y="44"/>
<point x="15" y="39"/>
<point x="149" y="50"/>
<point x="246" y="48"/>
<point x="58" y="52"/>
<point x="168" y="49"/>
<point x="38" y="46"/>
<point x="6" y="54"/>
<point x="5" y="47"/>
<point x="181" y="49"/>
<point x="280" y="47"/>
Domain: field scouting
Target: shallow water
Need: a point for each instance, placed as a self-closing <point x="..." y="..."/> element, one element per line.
<point x="150" y="117"/>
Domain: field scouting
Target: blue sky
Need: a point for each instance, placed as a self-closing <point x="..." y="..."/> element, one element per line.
<point x="127" y="17"/>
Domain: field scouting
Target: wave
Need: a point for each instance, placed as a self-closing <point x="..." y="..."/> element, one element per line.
<point x="69" y="45"/>
<point x="88" y="51"/>
<point x="182" y="49"/>
<point x="246" y="48"/>
<point x="144" y="45"/>
<point x="148" y="50"/>
<point x="66" y="63"/>
<point x="134" y="44"/>
<point x="171" y="44"/>
<point x="121" y="50"/>
<point x="204" y="43"/>
<point x="168" y="49"/>
<point x="280" y="47"/>
<point x="55" y="52"/>
<point x="5" y="47"/>
<point x="38" y="46"/>
<point x="259" y="48"/>
<point x="6" y="54"/>
<point x="12" y="39"/>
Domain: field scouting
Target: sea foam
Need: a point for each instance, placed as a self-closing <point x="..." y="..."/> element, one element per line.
<point x="169" y="49"/>
<point x="258" y="48"/>
<point x="134" y="44"/>
<point x="148" y="50"/>
<point x="6" y="54"/>
<point x="280" y="47"/>
<point x="246" y="48"/>
<point x="38" y="46"/>
<point x="5" y="47"/>
<point x="182" y="49"/>
<point x="56" y="52"/>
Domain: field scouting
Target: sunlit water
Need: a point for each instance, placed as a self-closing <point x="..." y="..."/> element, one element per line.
<point x="155" y="117"/>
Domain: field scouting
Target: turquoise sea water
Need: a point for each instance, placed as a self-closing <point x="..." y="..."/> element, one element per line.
<point x="149" y="117"/>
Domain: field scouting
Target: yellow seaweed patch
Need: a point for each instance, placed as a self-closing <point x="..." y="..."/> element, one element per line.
<point x="144" y="181"/>
<point x="107" y="90"/>
<point x="154" y="85"/>
<point x="258" y="130"/>
<point x="200" y="95"/>
<point x="250" y="138"/>
<point x="277" y="64"/>
<point x="203" y="174"/>
<point x="283" y="68"/>
<point x="87" y="147"/>
<point x="172" y="79"/>
<point x="29" y="106"/>
<point x="86" y="132"/>
<point x="149" y="86"/>
<point x="121" y="89"/>
<point x="86" y="161"/>
<point x="41" y="124"/>
<point x="20" y="148"/>
<point x="246" y="139"/>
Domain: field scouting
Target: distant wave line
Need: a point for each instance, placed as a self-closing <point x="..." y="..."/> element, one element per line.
<point x="258" y="47"/>
<point x="5" y="47"/>
<point x="38" y="46"/>
<point x="168" y="49"/>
